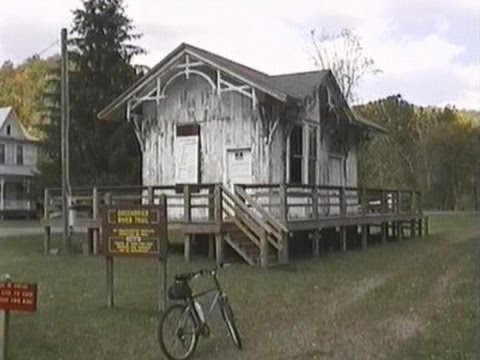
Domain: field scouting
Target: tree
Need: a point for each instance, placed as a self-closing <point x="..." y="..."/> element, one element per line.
<point x="343" y="54"/>
<point x="21" y="87"/>
<point x="101" y="69"/>
<point x="429" y="149"/>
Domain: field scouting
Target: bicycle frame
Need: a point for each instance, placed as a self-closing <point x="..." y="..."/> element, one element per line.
<point x="219" y="294"/>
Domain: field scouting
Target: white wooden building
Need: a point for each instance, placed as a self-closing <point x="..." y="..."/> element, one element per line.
<point x="290" y="142"/>
<point x="18" y="164"/>
<point x="202" y="118"/>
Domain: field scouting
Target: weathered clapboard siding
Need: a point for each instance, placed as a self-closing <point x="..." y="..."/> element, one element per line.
<point x="227" y="121"/>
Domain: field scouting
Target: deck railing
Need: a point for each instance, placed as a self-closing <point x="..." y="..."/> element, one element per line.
<point x="290" y="202"/>
<point x="275" y="203"/>
<point x="23" y="205"/>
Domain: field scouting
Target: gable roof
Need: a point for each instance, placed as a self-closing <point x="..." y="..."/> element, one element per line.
<point x="299" y="85"/>
<point x="281" y="87"/>
<point x="284" y="87"/>
<point x="4" y="112"/>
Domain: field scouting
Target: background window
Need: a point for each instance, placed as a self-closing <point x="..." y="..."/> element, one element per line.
<point x="2" y="153"/>
<point x="312" y="155"/>
<point x="19" y="155"/>
<point x="296" y="155"/>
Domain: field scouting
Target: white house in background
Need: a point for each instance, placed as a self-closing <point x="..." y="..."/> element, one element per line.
<point x="18" y="164"/>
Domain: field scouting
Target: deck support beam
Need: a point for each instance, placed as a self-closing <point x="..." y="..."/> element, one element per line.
<point x="343" y="238"/>
<point x="364" y="231"/>
<point x="316" y="243"/>
<point x="412" y="228"/>
<point x="219" y="246"/>
<point x="283" y="253"/>
<point x="211" y="246"/>
<point x="187" y="247"/>
<point x="384" y="228"/>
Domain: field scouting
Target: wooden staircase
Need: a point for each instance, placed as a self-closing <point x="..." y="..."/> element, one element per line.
<point x="248" y="250"/>
<point x="255" y="235"/>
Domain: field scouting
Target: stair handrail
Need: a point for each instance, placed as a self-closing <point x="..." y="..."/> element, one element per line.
<point x="247" y="211"/>
<point x="275" y="223"/>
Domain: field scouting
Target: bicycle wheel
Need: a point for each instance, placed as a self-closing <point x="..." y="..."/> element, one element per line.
<point x="177" y="332"/>
<point x="227" y="314"/>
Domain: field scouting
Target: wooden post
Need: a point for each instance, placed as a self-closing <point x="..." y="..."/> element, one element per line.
<point x="65" y="125"/>
<point x="427" y="226"/>
<point x="211" y="246"/>
<point x="384" y="228"/>
<point x="316" y="242"/>
<point x="315" y="202"/>
<point x="412" y="228"/>
<point x="187" y="214"/>
<point x="283" y="202"/>
<point x="218" y="204"/>
<point x="413" y="203"/>
<point x="399" y="202"/>
<point x="420" y="227"/>
<point x="46" y="221"/>
<point x="4" y="328"/>
<point x="264" y="250"/>
<point x="219" y="243"/>
<point x="96" y="218"/>
<point x="211" y="203"/>
<point x="109" y="272"/>
<point x="364" y="202"/>
<point x="187" y="247"/>
<point x="343" y="203"/>
<point x="150" y="195"/>
<point x="46" y="240"/>
<point x="343" y="238"/>
<point x="162" y="285"/>
<point x="364" y="237"/>
<point x="283" y="254"/>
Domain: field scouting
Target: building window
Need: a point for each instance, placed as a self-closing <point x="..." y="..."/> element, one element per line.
<point x="296" y="155"/>
<point x="19" y="155"/>
<point x="9" y="130"/>
<point x="2" y="154"/>
<point x="312" y="155"/>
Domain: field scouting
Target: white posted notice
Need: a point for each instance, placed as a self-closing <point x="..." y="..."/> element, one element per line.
<point x="186" y="159"/>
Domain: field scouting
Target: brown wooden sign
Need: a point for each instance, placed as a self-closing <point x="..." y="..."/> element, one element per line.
<point x="135" y="230"/>
<point x="18" y="296"/>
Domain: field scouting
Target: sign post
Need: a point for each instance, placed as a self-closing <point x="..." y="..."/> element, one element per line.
<point x="14" y="297"/>
<point x="134" y="231"/>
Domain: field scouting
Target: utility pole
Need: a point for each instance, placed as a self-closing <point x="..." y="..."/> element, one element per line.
<point x="65" y="131"/>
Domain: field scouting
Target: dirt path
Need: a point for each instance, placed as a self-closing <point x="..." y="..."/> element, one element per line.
<point x="338" y="332"/>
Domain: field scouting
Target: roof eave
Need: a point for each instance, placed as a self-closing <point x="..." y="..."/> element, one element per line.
<point x="106" y="113"/>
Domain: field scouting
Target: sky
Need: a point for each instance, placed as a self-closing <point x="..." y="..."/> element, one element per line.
<point x="427" y="50"/>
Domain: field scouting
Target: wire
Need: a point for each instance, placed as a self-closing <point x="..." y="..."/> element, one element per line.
<point x="56" y="42"/>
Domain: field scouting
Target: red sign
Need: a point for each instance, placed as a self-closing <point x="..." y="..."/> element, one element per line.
<point x="18" y="296"/>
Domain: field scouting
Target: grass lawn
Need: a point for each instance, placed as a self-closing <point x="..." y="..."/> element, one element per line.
<point x="410" y="299"/>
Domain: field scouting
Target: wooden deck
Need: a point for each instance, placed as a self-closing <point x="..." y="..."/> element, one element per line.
<point x="256" y="220"/>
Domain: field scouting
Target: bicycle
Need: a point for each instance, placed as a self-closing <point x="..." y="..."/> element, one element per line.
<point x="185" y="321"/>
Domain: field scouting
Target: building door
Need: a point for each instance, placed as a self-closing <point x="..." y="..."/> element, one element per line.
<point x="187" y="153"/>
<point x="336" y="173"/>
<point x="239" y="166"/>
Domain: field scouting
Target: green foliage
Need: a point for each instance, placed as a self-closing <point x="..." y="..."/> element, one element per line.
<point x="21" y="87"/>
<point x="100" y="63"/>
<point x="429" y="149"/>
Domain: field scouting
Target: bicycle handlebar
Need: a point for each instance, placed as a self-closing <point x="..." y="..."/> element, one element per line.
<point x="193" y="275"/>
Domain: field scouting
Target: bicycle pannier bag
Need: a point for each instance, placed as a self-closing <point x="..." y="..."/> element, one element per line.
<point x="179" y="291"/>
